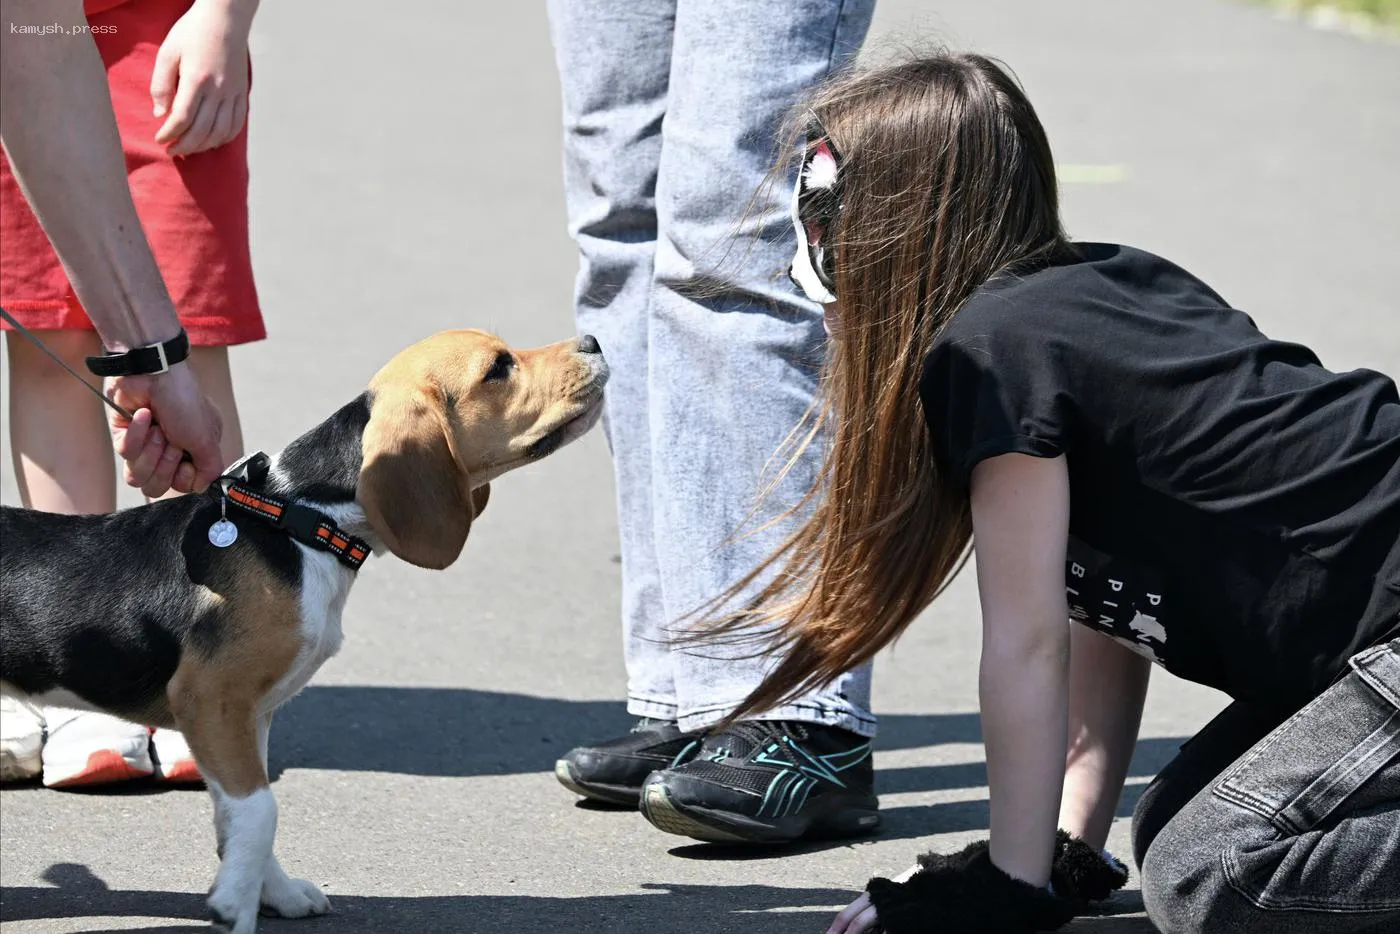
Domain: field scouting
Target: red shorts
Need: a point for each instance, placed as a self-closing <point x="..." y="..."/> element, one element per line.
<point x="194" y="209"/>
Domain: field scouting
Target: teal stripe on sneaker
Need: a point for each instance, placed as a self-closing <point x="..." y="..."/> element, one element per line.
<point x="778" y="780"/>
<point x="799" y="795"/>
<point x="857" y="755"/>
<point x="802" y="802"/>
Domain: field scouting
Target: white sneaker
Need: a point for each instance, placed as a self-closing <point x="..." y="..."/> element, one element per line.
<point x="21" y="739"/>
<point x="88" y="748"/>
<point x="173" y="760"/>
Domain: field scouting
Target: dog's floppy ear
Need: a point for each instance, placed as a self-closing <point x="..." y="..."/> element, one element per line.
<point x="414" y="492"/>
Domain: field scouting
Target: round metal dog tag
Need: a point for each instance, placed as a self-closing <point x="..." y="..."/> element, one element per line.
<point x="223" y="533"/>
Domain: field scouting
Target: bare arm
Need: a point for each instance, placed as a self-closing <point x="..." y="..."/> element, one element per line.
<point x="200" y="80"/>
<point x="1029" y="703"/>
<point x="1020" y="518"/>
<point x="57" y="126"/>
<point x="1107" y="686"/>
<point x="58" y="129"/>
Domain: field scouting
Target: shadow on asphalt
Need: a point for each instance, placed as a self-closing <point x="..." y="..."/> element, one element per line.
<point x="903" y="823"/>
<point x="458" y="732"/>
<point x="928" y="820"/>
<point x="1149" y="758"/>
<point x="77" y="893"/>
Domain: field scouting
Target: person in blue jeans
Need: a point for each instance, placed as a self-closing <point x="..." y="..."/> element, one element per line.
<point x="671" y="116"/>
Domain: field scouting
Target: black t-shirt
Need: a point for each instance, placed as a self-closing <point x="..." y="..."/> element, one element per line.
<point x="1235" y="507"/>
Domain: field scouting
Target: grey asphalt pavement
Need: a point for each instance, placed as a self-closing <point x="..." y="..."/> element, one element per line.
<point x="406" y="179"/>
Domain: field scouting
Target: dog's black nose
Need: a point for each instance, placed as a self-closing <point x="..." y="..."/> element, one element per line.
<point x="589" y="344"/>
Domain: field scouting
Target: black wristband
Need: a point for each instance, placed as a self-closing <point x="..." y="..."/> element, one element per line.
<point x="142" y="361"/>
<point x="964" y="893"/>
<point x="1084" y="874"/>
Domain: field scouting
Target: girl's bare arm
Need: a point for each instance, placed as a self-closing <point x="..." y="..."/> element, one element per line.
<point x="1107" y="685"/>
<point x="1020" y="518"/>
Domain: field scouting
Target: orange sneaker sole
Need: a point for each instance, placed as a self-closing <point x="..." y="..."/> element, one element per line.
<point x="104" y="767"/>
<point x="181" y="772"/>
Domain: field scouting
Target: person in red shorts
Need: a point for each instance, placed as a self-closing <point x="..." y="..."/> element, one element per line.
<point x="179" y="76"/>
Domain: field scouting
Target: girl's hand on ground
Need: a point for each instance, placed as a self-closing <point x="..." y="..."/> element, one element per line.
<point x="200" y="82"/>
<point x="859" y="916"/>
<point x="856" y="918"/>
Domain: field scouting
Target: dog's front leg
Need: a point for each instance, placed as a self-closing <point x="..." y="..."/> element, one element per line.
<point x="282" y="895"/>
<point x="223" y="735"/>
<point x="224" y="729"/>
<point x="245" y="825"/>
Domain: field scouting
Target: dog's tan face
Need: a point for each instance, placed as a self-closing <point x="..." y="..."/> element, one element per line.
<point x="455" y="411"/>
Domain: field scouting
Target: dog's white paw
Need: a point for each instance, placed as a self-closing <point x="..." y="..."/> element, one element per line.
<point x="231" y="913"/>
<point x="292" y="898"/>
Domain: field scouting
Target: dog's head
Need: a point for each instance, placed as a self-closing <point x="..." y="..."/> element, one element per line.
<point x="455" y="411"/>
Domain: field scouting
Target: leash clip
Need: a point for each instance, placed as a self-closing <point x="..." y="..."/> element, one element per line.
<point x="250" y="467"/>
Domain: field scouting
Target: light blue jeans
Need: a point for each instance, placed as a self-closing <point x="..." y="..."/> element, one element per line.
<point x="671" y="111"/>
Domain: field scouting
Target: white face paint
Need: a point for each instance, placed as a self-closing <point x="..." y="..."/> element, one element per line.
<point x="802" y="271"/>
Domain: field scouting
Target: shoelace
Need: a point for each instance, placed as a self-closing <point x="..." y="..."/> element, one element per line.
<point x="757" y="733"/>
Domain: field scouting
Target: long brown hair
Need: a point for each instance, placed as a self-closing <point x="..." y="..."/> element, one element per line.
<point x="946" y="180"/>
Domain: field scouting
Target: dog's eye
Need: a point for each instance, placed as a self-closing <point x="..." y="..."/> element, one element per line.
<point x="500" y="369"/>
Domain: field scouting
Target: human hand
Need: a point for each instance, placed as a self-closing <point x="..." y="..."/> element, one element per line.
<point x="170" y="416"/>
<point x="856" y="918"/>
<point x="201" y="76"/>
<point x="859" y="916"/>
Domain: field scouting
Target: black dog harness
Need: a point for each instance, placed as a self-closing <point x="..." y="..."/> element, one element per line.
<point x="309" y="526"/>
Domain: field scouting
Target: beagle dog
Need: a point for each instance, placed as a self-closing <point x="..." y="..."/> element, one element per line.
<point x="205" y="613"/>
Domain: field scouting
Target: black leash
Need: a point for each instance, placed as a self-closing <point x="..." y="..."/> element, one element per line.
<point x="59" y="360"/>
